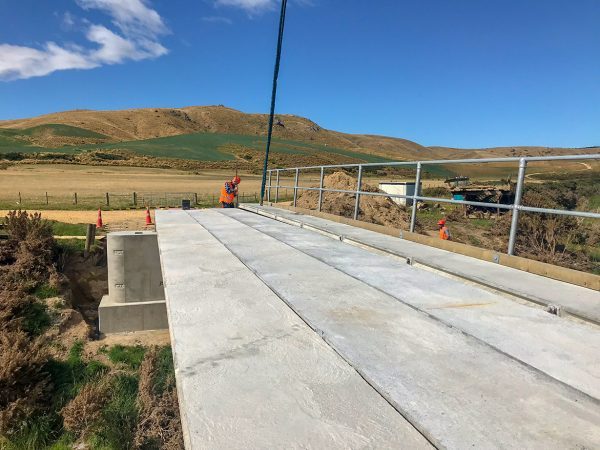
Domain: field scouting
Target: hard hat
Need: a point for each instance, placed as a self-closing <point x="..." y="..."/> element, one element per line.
<point x="236" y="180"/>
<point x="442" y="222"/>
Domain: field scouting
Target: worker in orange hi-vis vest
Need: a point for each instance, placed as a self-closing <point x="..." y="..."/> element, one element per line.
<point x="229" y="192"/>
<point x="444" y="231"/>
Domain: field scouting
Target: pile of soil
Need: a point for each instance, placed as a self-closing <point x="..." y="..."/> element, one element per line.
<point x="374" y="209"/>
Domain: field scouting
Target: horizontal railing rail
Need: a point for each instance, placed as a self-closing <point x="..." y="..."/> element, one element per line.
<point x="516" y="207"/>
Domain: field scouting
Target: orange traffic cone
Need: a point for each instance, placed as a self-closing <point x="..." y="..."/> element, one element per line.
<point x="148" y="217"/>
<point x="99" y="221"/>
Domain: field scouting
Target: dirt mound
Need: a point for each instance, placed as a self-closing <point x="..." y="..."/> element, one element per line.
<point x="377" y="210"/>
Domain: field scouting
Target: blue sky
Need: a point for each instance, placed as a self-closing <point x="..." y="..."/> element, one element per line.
<point x="462" y="73"/>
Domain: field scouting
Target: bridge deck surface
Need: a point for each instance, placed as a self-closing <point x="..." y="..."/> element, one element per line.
<point x="465" y="366"/>
<point x="579" y="301"/>
<point x="250" y="373"/>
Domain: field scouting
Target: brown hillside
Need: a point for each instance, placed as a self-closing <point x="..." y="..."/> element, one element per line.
<point x="137" y="124"/>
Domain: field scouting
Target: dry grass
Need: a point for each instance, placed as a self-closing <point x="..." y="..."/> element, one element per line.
<point x="81" y="413"/>
<point x="159" y="425"/>
<point x="59" y="179"/>
<point x="24" y="383"/>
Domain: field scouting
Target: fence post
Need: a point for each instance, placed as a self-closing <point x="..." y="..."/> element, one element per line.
<point x="358" y="187"/>
<point x="413" y="216"/>
<point x="270" y="182"/>
<point x="196" y="198"/>
<point x="90" y="237"/>
<point x="277" y="187"/>
<point x="75" y="197"/>
<point x="20" y="198"/>
<point x="46" y="198"/>
<point x="296" y="186"/>
<point x="517" y="204"/>
<point x="321" y="189"/>
<point x="134" y="199"/>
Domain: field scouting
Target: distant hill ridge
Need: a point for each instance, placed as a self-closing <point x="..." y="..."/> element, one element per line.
<point x="99" y="127"/>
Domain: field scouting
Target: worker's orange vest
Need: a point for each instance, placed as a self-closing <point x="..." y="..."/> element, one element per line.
<point x="444" y="233"/>
<point x="225" y="197"/>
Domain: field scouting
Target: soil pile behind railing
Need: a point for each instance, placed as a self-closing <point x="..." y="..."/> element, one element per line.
<point x="374" y="209"/>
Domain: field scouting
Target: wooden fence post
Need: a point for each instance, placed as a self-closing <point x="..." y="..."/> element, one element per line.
<point x="46" y="198"/>
<point x="107" y="200"/>
<point x="134" y="199"/>
<point x="20" y="198"/>
<point x="90" y="238"/>
<point x="195" y="198"/>
<point x="75" y="198"/>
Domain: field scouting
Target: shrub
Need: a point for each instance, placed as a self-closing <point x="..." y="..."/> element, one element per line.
<point x="26" y="258"/>
<point x="24" y="382"/>
<point x="85" y="410"/>
<point x="118" y="419"/>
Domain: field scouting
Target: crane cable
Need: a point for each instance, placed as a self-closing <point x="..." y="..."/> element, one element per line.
<point x="273" y="97"/>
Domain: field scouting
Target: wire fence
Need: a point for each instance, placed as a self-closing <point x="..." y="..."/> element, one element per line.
<point x="116" y="200"/>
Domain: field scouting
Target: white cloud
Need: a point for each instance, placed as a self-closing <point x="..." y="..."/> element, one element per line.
<point x="68" y="21"/>
<point x="133" y="17"/>
<point x="252" y="6"/>
<point x="258" y="6"/>
<point x="140" y="28"/>
<point x="217" y="19"/>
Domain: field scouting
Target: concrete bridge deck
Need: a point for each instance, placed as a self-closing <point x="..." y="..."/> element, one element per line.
<point x="578" y="301"/>
<point x="284" y="337"/>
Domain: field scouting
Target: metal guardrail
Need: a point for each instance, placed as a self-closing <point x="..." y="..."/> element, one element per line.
<point x="516" y="207"/>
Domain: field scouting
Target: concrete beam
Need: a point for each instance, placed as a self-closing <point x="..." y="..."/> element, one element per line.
<point x="530" y="335"/>
<point x="574" y="300"/>
<point x="458" y="391"/>
<point x="250" y="373"/>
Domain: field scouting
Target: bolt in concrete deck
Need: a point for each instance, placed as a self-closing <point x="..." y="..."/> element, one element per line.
<point x="443" y="354"/>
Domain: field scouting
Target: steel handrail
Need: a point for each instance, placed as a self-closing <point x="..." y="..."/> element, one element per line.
<point x="516" y="207"/>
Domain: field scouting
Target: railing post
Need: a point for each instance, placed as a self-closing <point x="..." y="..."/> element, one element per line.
<point x="358" y="187"/>
<point x="277" y="187"/>
<point x="321" y="189"/>
<point x="269" y="190"/>
<point x="413" y="216"/>
<point x="296" y="186"/>
<point x="514" y="225"/>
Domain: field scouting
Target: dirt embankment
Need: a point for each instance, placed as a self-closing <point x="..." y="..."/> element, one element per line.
<point x="373" y="209"/>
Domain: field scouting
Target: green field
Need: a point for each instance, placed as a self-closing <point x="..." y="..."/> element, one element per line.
<point x="197" y="146"/>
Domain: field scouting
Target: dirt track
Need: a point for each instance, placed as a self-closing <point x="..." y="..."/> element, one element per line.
<point x="113" y="220"/>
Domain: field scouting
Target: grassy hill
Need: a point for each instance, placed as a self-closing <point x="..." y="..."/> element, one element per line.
<point x="217" y="133"/>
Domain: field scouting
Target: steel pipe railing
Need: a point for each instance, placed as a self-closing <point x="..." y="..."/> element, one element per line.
<point x="516" y="207"/>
